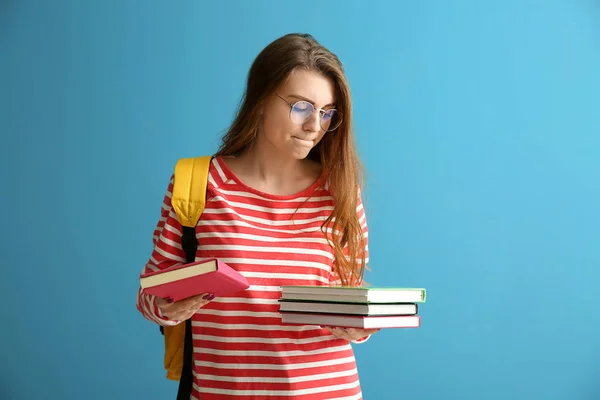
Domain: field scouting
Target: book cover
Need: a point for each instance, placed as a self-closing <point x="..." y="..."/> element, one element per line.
<point x="345" y="321"/>
<point x="183" y="281"/>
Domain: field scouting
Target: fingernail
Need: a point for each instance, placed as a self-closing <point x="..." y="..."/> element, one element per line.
<point x="169" y="300"/>
<point x="209" y="297"/>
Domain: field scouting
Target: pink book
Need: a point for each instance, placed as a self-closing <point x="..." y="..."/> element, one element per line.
<point x="351" y="321"/>
<point x="206" y="276"/>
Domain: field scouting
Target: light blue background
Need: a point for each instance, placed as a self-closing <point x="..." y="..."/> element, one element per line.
<point x="478" y="123"/>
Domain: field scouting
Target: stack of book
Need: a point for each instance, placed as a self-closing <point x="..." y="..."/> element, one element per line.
<point x="363" y="308"/>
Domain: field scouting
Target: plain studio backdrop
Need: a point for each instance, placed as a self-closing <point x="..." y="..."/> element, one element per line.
<point x="478" y="123"/>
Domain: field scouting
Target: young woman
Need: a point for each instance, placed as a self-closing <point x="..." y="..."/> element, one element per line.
<point x="283" y="208"/>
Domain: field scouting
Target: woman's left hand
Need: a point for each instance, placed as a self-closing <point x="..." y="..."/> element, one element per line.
<point x="349" y="334"/>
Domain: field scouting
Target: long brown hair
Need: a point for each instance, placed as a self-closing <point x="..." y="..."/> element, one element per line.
<point x="336" y="152"/>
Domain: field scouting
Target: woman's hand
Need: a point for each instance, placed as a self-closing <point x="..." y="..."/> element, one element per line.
<point x="350" y="334"/>
<point x="183" y="309"/>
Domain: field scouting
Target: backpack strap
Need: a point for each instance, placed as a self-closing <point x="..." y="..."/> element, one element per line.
<point x="188" y="200"/>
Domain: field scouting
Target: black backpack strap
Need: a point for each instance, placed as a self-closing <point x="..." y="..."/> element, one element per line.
<point x="189" y="245"/>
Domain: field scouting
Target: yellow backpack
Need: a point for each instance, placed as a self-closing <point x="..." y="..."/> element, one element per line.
<point x="188" y="200"/>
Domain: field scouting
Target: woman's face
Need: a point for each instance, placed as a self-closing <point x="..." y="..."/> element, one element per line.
<point x="289" y="134"/>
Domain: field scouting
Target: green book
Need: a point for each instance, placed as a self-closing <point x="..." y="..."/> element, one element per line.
<point x="354" y="294"/>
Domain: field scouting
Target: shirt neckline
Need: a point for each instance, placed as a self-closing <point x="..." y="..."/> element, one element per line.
<point x="303" y="193"/>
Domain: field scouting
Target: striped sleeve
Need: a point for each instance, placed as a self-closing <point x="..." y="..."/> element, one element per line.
<point x="167" y="252"/>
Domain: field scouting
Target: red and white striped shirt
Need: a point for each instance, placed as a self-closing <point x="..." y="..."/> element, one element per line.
<point x="241" y="349"/>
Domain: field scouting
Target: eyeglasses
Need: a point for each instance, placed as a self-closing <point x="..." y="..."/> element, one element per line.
<point x="301" y="112"/>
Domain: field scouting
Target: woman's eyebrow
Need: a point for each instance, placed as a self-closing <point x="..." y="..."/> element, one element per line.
<point x="297" y="96"/>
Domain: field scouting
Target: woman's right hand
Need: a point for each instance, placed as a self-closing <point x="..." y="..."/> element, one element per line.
<point x="183" y="309"/>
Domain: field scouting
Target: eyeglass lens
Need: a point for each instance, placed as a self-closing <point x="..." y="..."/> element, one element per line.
<point x="302" y="110"/>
